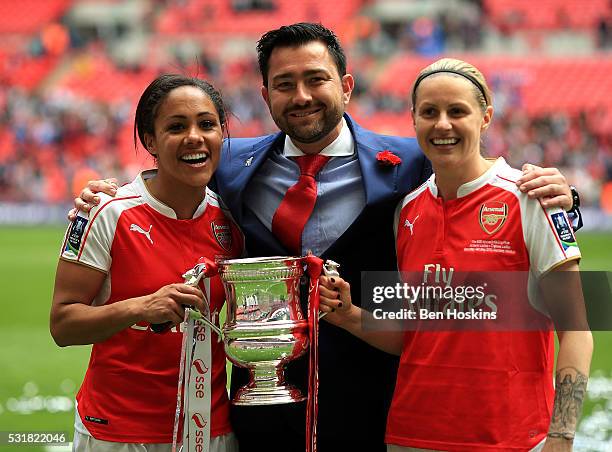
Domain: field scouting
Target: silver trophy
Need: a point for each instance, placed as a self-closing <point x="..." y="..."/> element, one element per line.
<point x="265" y="327"/>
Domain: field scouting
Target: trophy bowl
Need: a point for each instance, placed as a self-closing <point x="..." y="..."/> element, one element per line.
<point x="265" y="327"/>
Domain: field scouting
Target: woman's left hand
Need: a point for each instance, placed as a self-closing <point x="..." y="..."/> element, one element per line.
<point x="546" y="184"/>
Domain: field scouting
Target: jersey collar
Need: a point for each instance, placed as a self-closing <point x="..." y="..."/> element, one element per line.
<point x="156" y="204"/>
<point x="472" y="186"/>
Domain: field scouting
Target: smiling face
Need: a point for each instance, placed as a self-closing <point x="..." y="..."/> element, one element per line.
<point x="449" y="121"/>
<point x="187" y="139"/>
<point x="306" y="95"/>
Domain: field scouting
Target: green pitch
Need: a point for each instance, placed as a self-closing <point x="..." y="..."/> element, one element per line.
<point x="39" y="379"/>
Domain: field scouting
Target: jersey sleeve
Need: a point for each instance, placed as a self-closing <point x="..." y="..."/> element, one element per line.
<point x="89" y="238"/>
<point x="549" y="237"/>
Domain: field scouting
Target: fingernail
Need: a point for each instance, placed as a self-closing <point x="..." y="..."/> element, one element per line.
<point x="340" y="304"/>
<point x="85" y="206"/>
<point x="96" y="199"/>
<point x="333" y="280"/>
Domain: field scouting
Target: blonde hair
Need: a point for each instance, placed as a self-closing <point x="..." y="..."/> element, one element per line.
<point x="461" y="68"/>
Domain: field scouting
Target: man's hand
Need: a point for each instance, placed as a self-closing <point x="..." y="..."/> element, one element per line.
<point x="547" y="184"/>
<point x="87" y="199"/>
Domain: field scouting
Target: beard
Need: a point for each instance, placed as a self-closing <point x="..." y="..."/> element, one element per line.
<point x="313" y="130"/>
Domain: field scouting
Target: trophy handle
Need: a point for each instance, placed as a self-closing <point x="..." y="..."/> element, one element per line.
<point x="204" y="269"/>
<point x="197" y="315"/>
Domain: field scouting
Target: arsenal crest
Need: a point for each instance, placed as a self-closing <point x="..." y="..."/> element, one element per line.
<point x="222" y="232"/>
<point x="492" y="216"/>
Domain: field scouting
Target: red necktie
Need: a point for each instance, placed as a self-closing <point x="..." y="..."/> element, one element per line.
<point x="297" y="205"/>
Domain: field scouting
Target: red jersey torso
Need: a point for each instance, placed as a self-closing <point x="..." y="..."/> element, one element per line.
<point x="477" y="390"/>
<point x="129" y="392"/>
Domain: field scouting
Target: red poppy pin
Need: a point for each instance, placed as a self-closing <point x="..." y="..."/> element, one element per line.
<point x="388" y="158"/>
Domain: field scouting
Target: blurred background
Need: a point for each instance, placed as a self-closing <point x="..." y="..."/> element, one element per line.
<point x="72" y="71"/>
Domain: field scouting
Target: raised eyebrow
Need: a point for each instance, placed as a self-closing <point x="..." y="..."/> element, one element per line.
<point x="279" y="77"/>
<point x="427" y="105"/>
<point x="317" y="72"/>
<point x="202" y="113"/>
<point x="308" y="73"/>
<point x="462" y="107"/>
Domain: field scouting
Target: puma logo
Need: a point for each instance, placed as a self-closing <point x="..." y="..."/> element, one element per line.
<point x="135" y="227"/>
<point x="410" y="225"/>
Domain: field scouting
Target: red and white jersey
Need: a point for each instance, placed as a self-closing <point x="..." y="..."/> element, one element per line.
<point x="129" y="392"/>
<point x="477" y="390"/>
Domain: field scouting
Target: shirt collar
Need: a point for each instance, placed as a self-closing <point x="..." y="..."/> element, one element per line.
<point x="342" y="146"/>
<point x="156" y="204"/>
<point x="472" y="186"/>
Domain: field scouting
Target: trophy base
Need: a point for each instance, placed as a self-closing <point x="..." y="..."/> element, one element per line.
<point x="252" y="396"/>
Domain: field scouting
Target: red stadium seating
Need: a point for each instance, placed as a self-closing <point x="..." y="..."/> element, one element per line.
<point x="94" y="76"/>
<point x="546" y="14"/>
<point x="27" y="72"/>
<point x="547" y="85"/>
<point x="218" y="17"/>
<point x="29" y="16"/>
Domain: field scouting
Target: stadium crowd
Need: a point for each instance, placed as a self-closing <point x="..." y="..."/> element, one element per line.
<point x="54" y="138"/>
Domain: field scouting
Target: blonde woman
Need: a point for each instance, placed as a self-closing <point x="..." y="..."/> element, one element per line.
<point x="478" y="390"/>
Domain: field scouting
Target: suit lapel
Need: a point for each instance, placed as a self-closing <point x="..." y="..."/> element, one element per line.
<point x="379" y="181"/>
<point x="243" y="169"/>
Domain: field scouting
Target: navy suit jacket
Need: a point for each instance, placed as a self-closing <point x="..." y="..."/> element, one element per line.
<point x="356" y="380"/>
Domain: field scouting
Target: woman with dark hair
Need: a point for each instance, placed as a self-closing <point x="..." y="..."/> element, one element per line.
<point x="120" y="272"/>
<point x="477" y="386"/>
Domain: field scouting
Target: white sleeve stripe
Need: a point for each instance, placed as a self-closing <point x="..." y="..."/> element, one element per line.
<point x="553" y="229"/>
<point x="94" y="219"/>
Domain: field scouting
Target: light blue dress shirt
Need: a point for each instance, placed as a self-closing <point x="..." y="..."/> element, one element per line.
<point x="340" y="191"/>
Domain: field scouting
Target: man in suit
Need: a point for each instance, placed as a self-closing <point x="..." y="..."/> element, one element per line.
<point x="307" y="89"/>
<point x="357" y="186"/>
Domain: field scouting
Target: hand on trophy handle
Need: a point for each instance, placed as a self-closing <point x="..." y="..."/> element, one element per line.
<point x="335" y="299"/>
<point x="165" y="306"/>
<point x="192" y="278"/>
<point x="330" y="269"/>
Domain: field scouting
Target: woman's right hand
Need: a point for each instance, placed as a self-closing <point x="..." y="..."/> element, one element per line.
<point x="88" y="198"/>
<point x="166" y="305"/>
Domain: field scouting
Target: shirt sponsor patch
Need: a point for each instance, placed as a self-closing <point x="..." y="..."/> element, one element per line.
<point x="73" y="244"/>
<point x="563" y="229"/>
